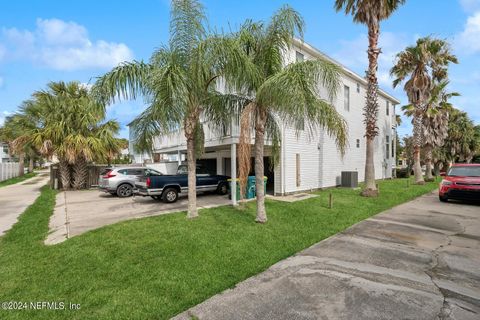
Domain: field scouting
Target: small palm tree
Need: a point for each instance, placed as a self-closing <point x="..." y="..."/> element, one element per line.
<point x="279" y="92"/>
<point x="66" y="122"/>
<point x="178" y="84"/>
<point x="434" y="123"/>
<point x="370" y="13"/>
<point x="11" y="132"/>
<point x="426" y="63"/>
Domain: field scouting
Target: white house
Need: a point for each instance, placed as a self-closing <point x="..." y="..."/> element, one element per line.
<point x="306" y="163"/>
<point x="4" y="153"/>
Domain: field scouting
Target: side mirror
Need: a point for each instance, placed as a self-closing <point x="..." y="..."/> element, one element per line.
<point x="443" y="174"/>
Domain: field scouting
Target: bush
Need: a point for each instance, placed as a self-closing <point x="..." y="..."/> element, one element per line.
<point x="403" y="173"/>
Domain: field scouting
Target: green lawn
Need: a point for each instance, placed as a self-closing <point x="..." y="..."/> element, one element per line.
<point x="156" y="267"/>
<point x="17" y="179"/>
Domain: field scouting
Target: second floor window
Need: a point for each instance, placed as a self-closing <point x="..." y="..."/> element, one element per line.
<point x="299" y="57"/>
<point x="346" y="99"/>
<point x="388" y="108"/>
<point x="358" y="143"/>
<point x="387" y="147"/>
<point x="5" y="149"/>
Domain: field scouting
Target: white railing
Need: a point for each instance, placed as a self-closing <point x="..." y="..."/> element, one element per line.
<point x="8" y="170"/>
<point x="177" y="138"/>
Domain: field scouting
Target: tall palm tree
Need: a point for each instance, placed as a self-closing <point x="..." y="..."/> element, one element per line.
<point x="178" y="84"/>
<point x="434" y="123"/>
<point x="280" y="92"/>
<point x="425" y="64"/>
<point x="68" y="123"/>
<point x="370" y="13"/>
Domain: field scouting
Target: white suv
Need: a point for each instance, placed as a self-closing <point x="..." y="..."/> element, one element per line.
<point x="121" y="180"/>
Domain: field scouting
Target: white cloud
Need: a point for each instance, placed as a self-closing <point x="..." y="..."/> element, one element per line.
<point x="63" y="45"/>
<point x="3" y="115"/>
<point x="470" y="5"/>
<point x="468" y="39"/>
<point x="353" y="54"/>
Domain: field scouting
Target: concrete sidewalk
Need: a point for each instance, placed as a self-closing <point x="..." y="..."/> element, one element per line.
<point x="420" y="260"/>
<point x="15" y="198"/>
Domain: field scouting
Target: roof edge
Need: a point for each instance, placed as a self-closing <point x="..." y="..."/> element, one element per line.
<point x="316" y="52"/>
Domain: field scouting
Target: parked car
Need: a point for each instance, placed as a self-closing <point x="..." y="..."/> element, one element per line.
<point x="121" y="180"/>
<point x="167" y="187"/>
<point x="461" y="182"/>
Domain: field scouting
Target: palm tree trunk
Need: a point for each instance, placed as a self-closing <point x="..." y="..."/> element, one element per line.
<point x="428" y="163"/>
<point x="190" y="124"/>
<point x="371" y="109"/>
<point x="436" y="168"/>
<point x="192" y="179"/>
<point x="417" y="142"/>
<point x="65" y="174"/>
<point x="261" y="117"/>
<point x="21" y="164"/>
<point x="30" y="164"/>
<point x="80" y="173"/>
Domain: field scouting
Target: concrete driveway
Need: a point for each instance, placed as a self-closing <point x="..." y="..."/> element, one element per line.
<point x="15" y="198"/>
<point x="420" y="260"/>
<point x="77" y="212"/>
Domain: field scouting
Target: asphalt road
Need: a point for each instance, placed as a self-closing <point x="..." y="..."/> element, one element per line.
<point x="15" y="198"/>
<point x="420" y="260"/>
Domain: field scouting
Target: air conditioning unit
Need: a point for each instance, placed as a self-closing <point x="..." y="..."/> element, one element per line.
<point x="349" y="179"/>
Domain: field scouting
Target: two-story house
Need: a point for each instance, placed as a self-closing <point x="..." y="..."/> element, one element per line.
<point x="306" y="163"/>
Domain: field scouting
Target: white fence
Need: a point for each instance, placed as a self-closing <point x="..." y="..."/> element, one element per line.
<point x="8" y="170"/>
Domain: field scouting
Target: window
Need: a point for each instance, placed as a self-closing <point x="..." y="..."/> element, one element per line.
<point x="358" y="143"/>
<point x="387" y="145"/>
<point x="297" y="162"/>
<point x="299" y="57"/>
<point x="358" y="87"/>
<point x="136" y="172"/>
<point x="346" y="99"/>
<point x="388" y="108"/>
<point x="5" y="149"/>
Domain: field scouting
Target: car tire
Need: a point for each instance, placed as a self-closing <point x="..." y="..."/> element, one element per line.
<point x="443" y="198"/>
<point x="170" y="195"/>
<point x="222" y="188"/>
<point x="124" y="190"/>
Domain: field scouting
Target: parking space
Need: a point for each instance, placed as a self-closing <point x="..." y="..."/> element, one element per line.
<point x="77" y="212"/>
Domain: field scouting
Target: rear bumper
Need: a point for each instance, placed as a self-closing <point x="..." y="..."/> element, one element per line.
<point x="147" y="192"/>
<point x="105" y="189"/>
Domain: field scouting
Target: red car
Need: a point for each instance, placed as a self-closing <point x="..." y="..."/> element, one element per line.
<point x="461" y="182"/>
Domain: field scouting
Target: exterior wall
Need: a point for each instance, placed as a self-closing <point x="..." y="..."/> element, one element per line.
<point x="320" y="162"/>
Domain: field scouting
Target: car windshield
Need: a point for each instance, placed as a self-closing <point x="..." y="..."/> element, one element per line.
<point x="465" y="171"/>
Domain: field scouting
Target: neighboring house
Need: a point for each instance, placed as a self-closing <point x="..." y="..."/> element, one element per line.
<point x="4" y="153"/>
<point x="306" y="163"/>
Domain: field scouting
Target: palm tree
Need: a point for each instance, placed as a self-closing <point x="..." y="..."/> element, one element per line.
<point x="425" y="63"/>
<point x="434" y="123"/>
<point x="178" y="85"/>
<point x="370" y="13"/>
<point x="68" y="123"/>
<point x="277" y="91"/>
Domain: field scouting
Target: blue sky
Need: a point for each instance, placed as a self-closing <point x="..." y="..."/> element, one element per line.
<point x="43" y="41"/>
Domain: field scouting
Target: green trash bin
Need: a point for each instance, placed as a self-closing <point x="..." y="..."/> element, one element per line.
<point x="251" y="187"/>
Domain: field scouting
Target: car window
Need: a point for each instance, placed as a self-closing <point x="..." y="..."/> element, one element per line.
<point x="105" y="171"/>
<point x="466" y="171"/>
<point x="123" y="171"/>
<point x="182" y="170"/>
<point x="151" y="172"/>
<point x="135" y="172"/>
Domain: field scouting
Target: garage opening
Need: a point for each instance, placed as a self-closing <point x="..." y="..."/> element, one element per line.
<point x="267" y="169"/>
